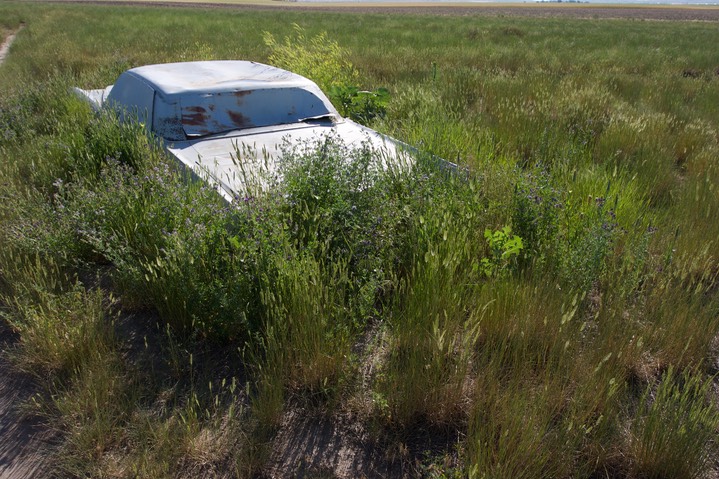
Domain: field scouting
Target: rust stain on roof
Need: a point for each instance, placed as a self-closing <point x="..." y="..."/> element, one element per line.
<point x="194" y="115"/>
<point x="240" y="120"/>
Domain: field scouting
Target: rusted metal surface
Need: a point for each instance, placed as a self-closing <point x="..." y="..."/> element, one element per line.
<point x="227" y="120"/>
<point x="212" y="97"/>
<point x="211" y="113"/>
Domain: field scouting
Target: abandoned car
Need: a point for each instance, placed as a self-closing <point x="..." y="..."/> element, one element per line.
<point x="227" y="120"/>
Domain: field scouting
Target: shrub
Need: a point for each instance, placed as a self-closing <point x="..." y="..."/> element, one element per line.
<point x="318" y="58"/>
<point x="326" y="63"/>
<point x="341" y="203"/>
<point x="360" y="106"/>
<point x="536" y="209"/>
<point x="588" y="241"/>
<point x="172" y="243"/>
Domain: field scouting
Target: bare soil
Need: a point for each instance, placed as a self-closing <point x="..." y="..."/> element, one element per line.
<point x="5" y="45"/>
<point x="310" y="443"/>
<point x="26" y="443"/>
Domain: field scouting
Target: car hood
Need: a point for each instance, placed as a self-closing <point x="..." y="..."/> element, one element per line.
<point x="239" y="163"/>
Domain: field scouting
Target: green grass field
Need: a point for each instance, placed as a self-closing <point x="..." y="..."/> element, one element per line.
<point x="553" y="313"/>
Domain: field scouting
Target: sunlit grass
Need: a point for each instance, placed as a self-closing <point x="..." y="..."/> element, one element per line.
<point x="581" y="353"/>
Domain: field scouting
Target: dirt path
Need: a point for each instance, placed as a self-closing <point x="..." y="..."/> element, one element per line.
<point x="5" y="47"/>
<point x="25" y="449"/>
<point x="25" y="442"/>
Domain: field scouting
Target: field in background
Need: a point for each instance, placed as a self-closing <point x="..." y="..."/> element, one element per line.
<point x="528" y="9"/>
<point x="552" y="313"/>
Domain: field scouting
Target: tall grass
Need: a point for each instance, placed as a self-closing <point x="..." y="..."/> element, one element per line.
<point x="677" y="409"/>
<point x="552" y="307"/>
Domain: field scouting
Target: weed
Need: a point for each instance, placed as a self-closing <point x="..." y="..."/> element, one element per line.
<point x="503" y="247"/>
<point x="318" y="58"/>
<point x="672" y="433"/>
<point x="360" y="106"/>
<point x="433" y="326"/>
<point x="536" y="210"/>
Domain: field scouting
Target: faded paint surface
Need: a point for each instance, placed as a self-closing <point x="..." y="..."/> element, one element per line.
<point x="240" y="161"/>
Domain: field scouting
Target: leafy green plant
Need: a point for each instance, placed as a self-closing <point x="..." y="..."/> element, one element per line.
<point x="360" y="106"/>
<point x="504" y="248"/>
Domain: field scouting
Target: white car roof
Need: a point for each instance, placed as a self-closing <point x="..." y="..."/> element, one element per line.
<point x="192" y="99"/>
<point x="213" y="76"/>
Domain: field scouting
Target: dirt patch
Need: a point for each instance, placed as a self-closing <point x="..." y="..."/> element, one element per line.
<point x="588" y="11"/>
<point x="25" y="441"/>
<point x="312" y="444"/>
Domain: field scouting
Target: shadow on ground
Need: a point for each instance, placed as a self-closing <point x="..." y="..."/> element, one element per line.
<point x="25" y="441"/>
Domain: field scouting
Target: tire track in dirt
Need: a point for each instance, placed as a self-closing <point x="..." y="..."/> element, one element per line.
<point x="25" y="442"/>
<point x="5" y="47"/>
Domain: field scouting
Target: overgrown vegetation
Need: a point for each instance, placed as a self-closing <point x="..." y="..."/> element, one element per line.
<point x="551" y="311"/>
<point x="326" y="63"/>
